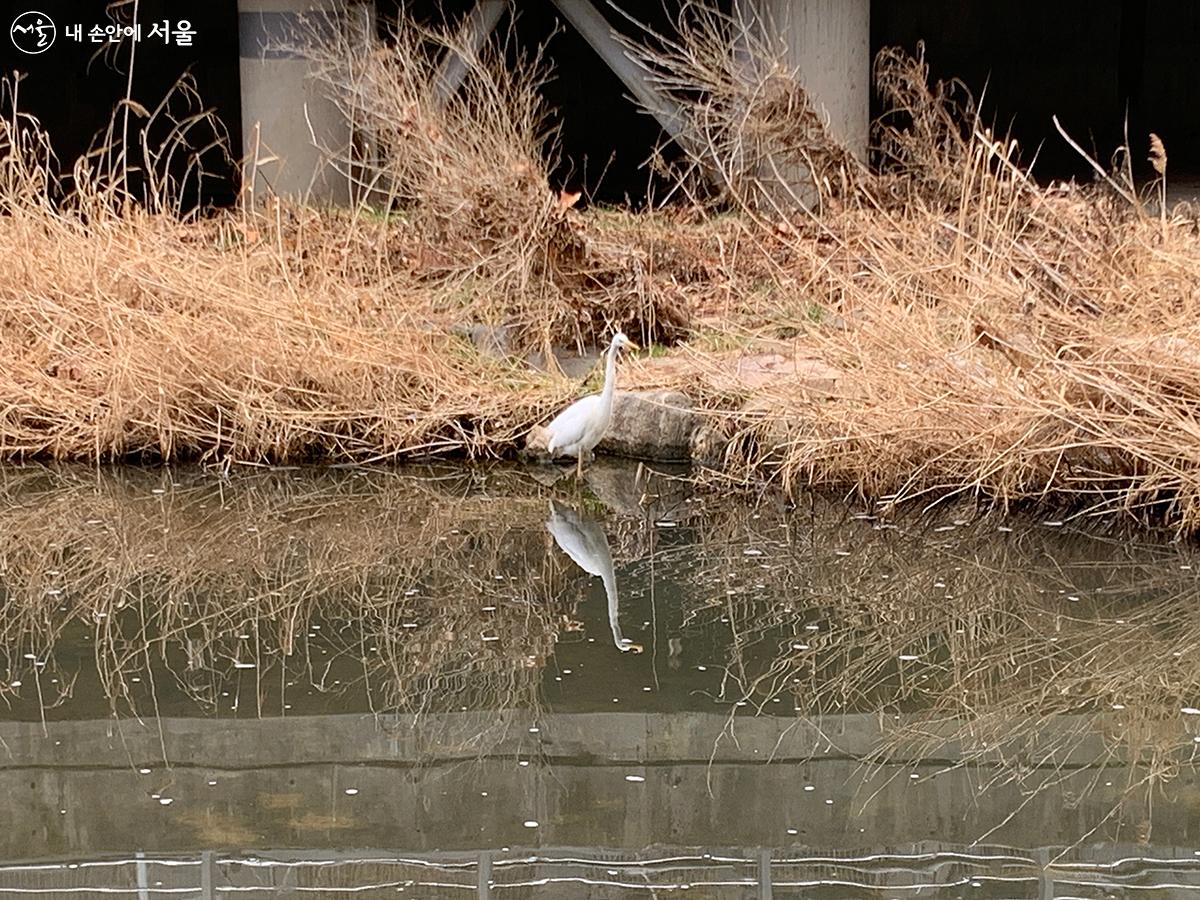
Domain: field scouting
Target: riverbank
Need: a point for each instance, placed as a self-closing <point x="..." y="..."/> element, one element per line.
<point x="1058" y="359"/>
<point x="948" y="327"/>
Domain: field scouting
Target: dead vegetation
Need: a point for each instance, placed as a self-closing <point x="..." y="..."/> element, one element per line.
<point x="947" y="324"/>
<point x="943" y="325"/>
<point x="467" y="170"/>
<point x="130" y="333"/>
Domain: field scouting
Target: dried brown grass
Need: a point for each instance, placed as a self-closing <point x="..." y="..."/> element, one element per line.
<point x="275" y="334"/>
<point x="750" y="130"/>
<point x="950" y="324"/>
<point x="468" y="172"/>
<point x="986" y="334"/>
<point x="281" y="332"/>
<point x="1004" y="339"/>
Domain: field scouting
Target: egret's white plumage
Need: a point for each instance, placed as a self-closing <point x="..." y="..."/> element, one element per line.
<point x="583" y="540"/>
<point x="579" y="427"/>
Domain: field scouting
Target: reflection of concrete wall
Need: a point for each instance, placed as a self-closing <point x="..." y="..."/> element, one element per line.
<point x="283" y="783"/>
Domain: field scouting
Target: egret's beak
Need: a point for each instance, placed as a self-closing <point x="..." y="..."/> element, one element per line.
<point x="630" y="345"/>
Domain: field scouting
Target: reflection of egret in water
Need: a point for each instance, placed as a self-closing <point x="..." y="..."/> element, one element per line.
<point x="674" y="652"/>
<point x="585" y="543"/>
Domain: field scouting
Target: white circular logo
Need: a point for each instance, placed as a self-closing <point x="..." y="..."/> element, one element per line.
<point x="33" y="32"/>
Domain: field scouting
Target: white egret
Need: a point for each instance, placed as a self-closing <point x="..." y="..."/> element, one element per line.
<point x="579" y="427"/>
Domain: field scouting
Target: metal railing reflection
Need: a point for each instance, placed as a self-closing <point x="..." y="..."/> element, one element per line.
<point x="927" y="869"/>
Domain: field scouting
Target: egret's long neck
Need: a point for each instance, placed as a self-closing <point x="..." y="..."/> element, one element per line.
<point x="610" y="375"/>
<point x="609" y="576"/>
<point x="614" y="608"/>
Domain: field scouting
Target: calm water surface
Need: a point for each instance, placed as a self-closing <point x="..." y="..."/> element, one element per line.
<point x="448" y="682"/>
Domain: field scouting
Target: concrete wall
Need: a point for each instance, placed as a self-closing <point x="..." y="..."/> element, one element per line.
<point x="830" y="43"/>
<point x="289" y="127"/>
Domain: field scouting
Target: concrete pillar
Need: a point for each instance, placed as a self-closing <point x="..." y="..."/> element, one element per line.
<point x="283" y="109"/>
<point x="829" y="41"/>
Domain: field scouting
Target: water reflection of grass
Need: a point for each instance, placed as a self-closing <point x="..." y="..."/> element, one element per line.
<point x="1025" y="650"/>
<point x="422" y="592"/>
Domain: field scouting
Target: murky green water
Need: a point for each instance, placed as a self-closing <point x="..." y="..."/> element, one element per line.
<point x="446" y="682"/>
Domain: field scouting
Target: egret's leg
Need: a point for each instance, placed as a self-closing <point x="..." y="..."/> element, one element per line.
<point x="579" y="466"/>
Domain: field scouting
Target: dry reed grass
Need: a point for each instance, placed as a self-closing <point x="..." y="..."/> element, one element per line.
<point x="467" y="170"/>
<point x="751" y="131"/>
<point x="130" y="332"/>
<point x="282" y="332"/>
<point x="1021" y="343"/>
<point x="984" y="334"/>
